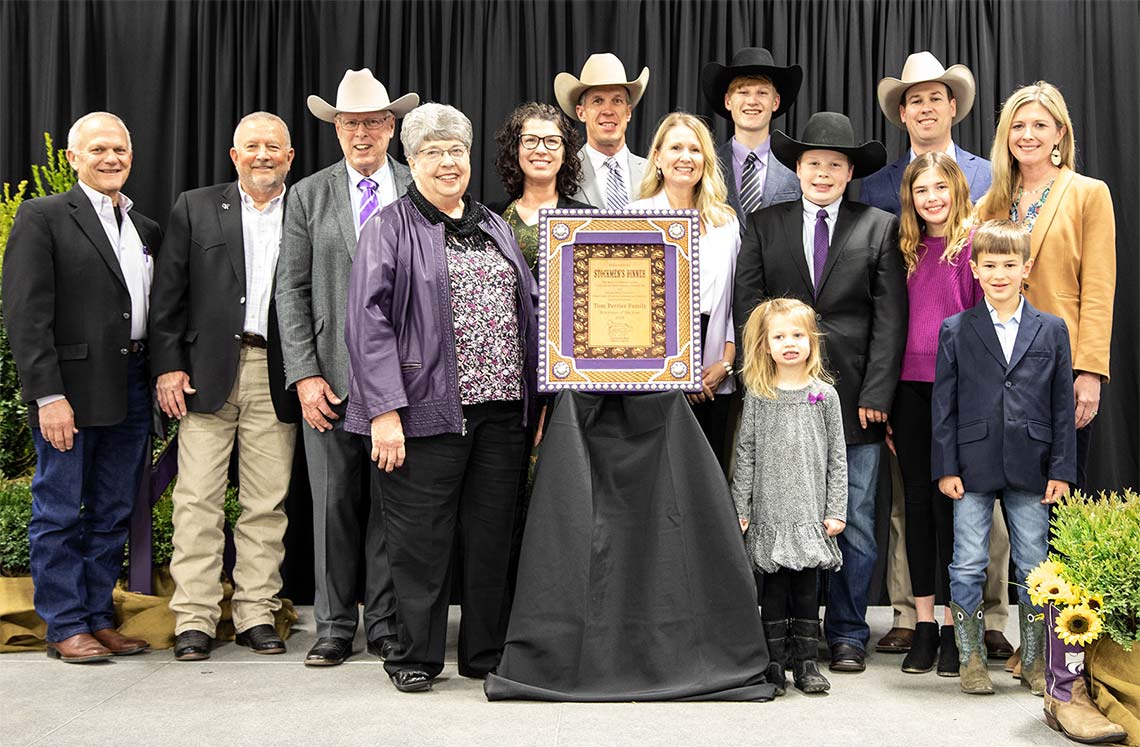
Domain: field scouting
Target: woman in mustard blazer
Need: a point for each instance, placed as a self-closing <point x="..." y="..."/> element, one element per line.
<point x="1070" y="219"/>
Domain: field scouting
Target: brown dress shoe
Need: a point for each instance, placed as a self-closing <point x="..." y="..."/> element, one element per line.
<point x="896" y="641"/>
<point x="80" y="648"/>
<point x="118" y="644"/>
<point x="997" y="645"/>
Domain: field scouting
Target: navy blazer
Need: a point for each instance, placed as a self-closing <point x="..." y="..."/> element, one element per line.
<point x="997" y="425"/>
<point x="881" y="189"/>
<point x="780" y="185"/>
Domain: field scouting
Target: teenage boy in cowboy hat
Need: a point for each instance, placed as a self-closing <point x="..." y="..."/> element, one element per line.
<point x="841" y="258"/>
<point x="604" y="98"/>
<point x="927" y="101"/>
<point x="750" y="91"/>
<point x="323" y="217"/>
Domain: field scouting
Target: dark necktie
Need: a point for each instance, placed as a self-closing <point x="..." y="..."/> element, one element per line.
<point x="119" y="217"/>
<point x="750" y="184"/>
<point x="821" y="241"/>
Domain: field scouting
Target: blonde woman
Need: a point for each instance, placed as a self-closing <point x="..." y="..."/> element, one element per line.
<point x="684" y="173"/>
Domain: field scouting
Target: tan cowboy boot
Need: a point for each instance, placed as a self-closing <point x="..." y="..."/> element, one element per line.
<point x="968" y="630"/>
<point x="1080" y="719"/>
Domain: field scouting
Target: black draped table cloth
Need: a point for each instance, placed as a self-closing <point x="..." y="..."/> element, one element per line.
<point x="633" y="582"/>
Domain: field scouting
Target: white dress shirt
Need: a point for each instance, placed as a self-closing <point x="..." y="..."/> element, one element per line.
<point x="261" y="234"/>
<point x="810" y="210"/>
<point x="1007" y="330"/>
<point x="950" y="151"/>
<point x="385" y="189"/>
<point x="602" y="172"/>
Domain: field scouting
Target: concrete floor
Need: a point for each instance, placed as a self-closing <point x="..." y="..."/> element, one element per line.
<point x="240" y="698"/>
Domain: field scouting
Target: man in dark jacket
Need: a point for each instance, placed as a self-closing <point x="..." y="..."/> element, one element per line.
<point x="77" y="275"/>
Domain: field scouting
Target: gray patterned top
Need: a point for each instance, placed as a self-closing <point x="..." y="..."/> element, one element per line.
<point x="791" y="474"/>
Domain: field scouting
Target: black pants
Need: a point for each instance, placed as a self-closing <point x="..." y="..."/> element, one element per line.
<point x="790" y="594"/>
<point x="929" y="513"/>
<point x="453" y="483"/>
<point x="712" y="416"/>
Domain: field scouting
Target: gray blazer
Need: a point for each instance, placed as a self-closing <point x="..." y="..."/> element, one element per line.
<point x="318" y="243"/>
<point x="592" y="192"/>
<point x="780" y="185"/>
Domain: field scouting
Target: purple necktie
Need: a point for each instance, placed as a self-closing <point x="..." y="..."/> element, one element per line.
<point x="821" y="241"/>
<point x="369" y="201"/>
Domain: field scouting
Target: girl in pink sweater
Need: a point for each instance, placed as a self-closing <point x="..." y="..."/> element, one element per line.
<point x="934" y="238"/>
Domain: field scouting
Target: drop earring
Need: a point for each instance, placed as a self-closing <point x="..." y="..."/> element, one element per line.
<point x="1055" y="156"/>
<point x="660" y="176"/>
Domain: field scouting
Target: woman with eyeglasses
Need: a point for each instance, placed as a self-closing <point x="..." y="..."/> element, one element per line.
<point x="442" y="342"/>
<point x="535" y="170"/>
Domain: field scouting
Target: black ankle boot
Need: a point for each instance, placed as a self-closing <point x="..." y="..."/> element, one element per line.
<point x="777" y="635"/>
<point x="948" y="663"/>
<point x="923" y="650"/>
<point x="805" y="648"/>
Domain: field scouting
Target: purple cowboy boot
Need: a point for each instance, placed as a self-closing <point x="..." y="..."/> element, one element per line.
<point x="1068" y="707"/>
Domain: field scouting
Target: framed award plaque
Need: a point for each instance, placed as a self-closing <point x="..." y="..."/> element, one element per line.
<point x="619" y="301"/>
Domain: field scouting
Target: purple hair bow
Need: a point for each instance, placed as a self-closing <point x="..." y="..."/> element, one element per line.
<point x="815" y="399"/>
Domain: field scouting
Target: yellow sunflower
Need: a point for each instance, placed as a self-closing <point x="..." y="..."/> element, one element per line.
<point x="1094" y="601"/>
<point x="1055" y="589"/>
<point x="1078" y="626"/>
<point x="1048" y="570"/>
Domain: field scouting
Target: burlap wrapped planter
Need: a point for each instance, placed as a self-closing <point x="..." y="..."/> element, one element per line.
<point x="1115" y="677"/>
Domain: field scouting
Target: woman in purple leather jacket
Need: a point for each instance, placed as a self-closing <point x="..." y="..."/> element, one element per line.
<point x="442" y="341"/>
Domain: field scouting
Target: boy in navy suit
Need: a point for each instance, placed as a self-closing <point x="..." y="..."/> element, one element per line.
<point x="1003" y="421"/>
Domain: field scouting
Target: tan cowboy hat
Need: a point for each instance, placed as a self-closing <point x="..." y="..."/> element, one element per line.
<point x="923" y="67"/>
<point x="600" y="70"/>
<point x="359" y="91"/>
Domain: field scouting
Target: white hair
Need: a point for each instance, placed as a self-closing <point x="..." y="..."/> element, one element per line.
<point x="264" y="117"/>
<point x="73" y="133"/>
<point x="433" y="121"/>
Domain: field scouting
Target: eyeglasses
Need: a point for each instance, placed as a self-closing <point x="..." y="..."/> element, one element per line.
<point x="550" y="142"/>
<point x="433" y="155"/>
<point x="372" y="123"/>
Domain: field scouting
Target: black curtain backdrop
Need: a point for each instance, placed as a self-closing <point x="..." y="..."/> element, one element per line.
<point x="182" y="73"/>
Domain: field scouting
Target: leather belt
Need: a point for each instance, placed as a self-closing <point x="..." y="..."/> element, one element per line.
<point x="137" y="346"/>
<point x="251" y="340"/>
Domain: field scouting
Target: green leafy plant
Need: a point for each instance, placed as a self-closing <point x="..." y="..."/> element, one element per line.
<point x="15" y="513"/>
<point x="1097" y="540"/>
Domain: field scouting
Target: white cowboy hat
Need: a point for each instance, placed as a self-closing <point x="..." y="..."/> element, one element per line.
<point x="359" y="91"/>
<point x="600" y="70"/>
<point x="923" y="67"/>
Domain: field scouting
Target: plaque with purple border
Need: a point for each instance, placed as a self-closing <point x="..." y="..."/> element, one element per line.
<point x="619" y="305"/>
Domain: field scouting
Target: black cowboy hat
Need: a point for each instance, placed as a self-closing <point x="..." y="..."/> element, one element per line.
<point x="715" y="78"/>
<point x="830" y="131"/>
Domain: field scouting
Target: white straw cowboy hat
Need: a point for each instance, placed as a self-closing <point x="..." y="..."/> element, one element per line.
<point x="600" y="70"/>
<point x="359" y="91"/>
<point x="923" y="67"/>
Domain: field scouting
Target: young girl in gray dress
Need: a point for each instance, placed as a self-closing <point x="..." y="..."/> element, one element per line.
<point x="790" y="484"/>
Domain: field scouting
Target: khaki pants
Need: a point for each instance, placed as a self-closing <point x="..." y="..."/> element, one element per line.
<point x="996" y="592"/>
<point x="265" y="459"/>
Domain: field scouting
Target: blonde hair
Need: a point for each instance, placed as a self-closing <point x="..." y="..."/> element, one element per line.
<point x="1007" y="174"/>
<point x="1002" y="238"/>
<point x="759" y="371"/>
<point x="958" y="221"/>
<point x="710" y="196"/>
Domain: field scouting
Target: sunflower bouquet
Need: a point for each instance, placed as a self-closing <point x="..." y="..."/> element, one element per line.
<point x="1093" y="578"/>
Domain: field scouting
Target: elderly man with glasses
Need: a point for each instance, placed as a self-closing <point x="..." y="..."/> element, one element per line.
<point x="324" y="215"/>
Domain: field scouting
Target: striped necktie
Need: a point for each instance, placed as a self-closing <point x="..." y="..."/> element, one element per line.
<point x="616" y="195"/>
<point x="750" y="184"/>
<point x="822" y="239"/>
<point x="369" y="201"/>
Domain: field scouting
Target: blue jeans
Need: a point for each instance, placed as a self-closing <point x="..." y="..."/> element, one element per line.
<point x="845" y="620"/>
<point x="81" y="508"/>
<point x="1028" y="522"/>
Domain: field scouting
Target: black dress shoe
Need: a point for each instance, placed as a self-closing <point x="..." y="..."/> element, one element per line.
<point x="383" y="646"/>
<point x="328" y="652"/>
<point x="411" y="680"/>
<point x="846" y="658"/>
<point x="192" y="645"/>
<point x="263" y="639"/>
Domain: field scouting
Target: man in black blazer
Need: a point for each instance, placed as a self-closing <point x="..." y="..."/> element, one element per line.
<point x="751" y="91"/>
<point x="214" y="340"/>
<point x="77" y="276"/>
<point x="841" y="258"/>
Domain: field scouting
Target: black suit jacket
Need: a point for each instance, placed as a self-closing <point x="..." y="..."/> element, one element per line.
<point x="862" y="303"/>
<point x="1004" y="425"/>
<point x="197" y="313"/>
<point x="67" y="308"/>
